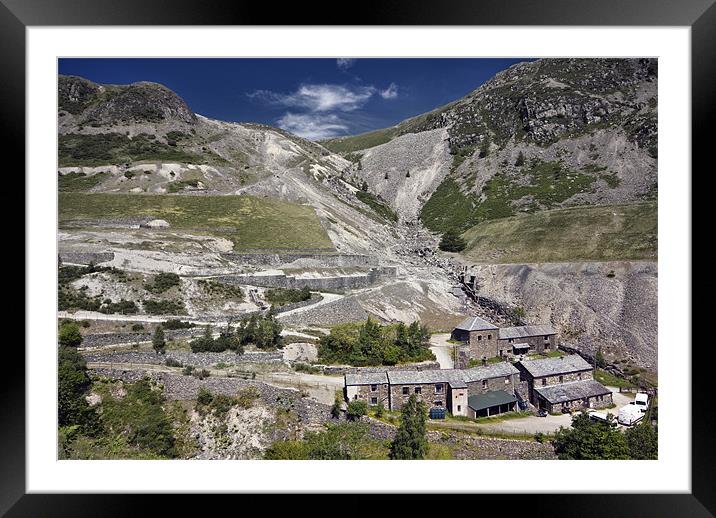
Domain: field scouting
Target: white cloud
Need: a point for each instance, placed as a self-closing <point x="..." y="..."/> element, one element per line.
<point x="390" y="93"/>
<point x="320" y="98"/>
<point x="313" y="126"/>
<point x="345" y="63"/>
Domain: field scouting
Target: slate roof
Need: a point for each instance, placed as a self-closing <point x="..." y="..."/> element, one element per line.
<point x="526" y="331"/>
<point x="490" y="399"/>
<point x="452" y="376"/>
<point x="457" y="378"/>
<point x="475" y="324"/>
<point x="491" y="370"/>
<point x="571" y="391"/>
<point x="555" y="365"/>
<point x="366" y="378"/>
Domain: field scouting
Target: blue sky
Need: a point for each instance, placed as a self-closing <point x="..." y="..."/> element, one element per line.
<point x="314" y="98"/>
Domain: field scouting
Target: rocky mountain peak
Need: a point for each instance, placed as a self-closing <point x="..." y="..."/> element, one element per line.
<point x="98" y="104"/>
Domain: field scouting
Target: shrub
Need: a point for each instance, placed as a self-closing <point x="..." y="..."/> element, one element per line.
<point x="204" y="397"/>
<point x="283" y="296"/>
<point x="245" y="397"/>
<point x="201" y="374"/>
<point x="172" y="362"/>
<point x="188" y="370"/>
<point x="162" y="307"/>
<point x="451" y="241"/>
<point x="137" y="327"/>
<point x="159" y="343"/>
<point x="379" y="410"/>
<point x="357" y="408"/>
<point x="174" y="323"/>
<point x="162" y="282"/>
<point x="69" y="335"/>
<point x="337" y="404"/>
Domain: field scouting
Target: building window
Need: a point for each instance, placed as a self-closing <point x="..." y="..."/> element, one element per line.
<point x="406" y="390"/>
<point x="579" y="375"/>
<point x="489" y="337"/>
<point x="438" y="403"/>
<point x="374" y="401"/>
<point x="373" y="388"/>
<point x="458" y="408"/>
<point x="511" y="340"/>
<point x="546" y="338"/>
<point x="418" y="390"/>
<point x="544" y="381"/>
<point x="561" y="379"/>
<point x="484" y="383"/>
<point x="438" y="388"/>
<point x="479" y="337"/>
<point x="507" y="380"/>
<point x="501" y="351"/>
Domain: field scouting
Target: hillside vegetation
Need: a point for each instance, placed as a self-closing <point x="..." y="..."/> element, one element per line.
<point x="247" y="221"/>
<point x="606" y="233"/>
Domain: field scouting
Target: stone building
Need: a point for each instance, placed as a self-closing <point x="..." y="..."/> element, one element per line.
<point x="526" y="340"/>
<point x="369" y="386"/>
<point x="447" y="388"/>
<point x="480" y="335"/>
<point x="563" y="383"/>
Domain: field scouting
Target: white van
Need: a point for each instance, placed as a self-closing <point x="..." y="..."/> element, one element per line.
<point x="634" y="412"/>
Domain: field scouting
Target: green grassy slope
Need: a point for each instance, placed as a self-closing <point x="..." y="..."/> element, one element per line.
<point x="598" y="233"/>
<point x="247" y="221"/>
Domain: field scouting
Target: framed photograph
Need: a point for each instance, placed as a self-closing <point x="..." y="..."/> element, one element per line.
<point x="265" y="257"/>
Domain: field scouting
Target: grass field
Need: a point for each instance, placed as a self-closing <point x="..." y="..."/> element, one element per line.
<point x="247" y="221"/>
<point x="362" y="141"/>
<point x="597" y="233"/>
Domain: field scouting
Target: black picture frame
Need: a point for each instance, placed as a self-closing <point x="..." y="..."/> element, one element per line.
<point x="699" y="15"/>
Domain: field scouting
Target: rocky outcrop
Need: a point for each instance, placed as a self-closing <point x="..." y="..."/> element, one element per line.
<point x="96" y="104"/>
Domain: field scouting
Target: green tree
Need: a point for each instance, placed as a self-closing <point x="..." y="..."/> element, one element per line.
<point x="599" y="359"/>
<point x="364" y="186"/>
<point x="452" y="242"/>
<point x="590" y="440"/>
<point x="380" y="409"/>
<point x="357" y="408"/>
<point x="485" y="148"/>
<point x="73" y="382"/>
<point x="159" y="343"/>
<point x="643" y="441"/>
<point x="410" y="441"/>
<point x="69" y="335"/>
<point x="337" y="403"/>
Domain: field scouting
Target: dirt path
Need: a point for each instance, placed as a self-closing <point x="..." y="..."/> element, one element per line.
<point x="327" y="298"/>
<point x="442" y="350"/>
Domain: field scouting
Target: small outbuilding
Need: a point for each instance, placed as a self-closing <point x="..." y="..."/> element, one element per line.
<point x="491" y="403"/>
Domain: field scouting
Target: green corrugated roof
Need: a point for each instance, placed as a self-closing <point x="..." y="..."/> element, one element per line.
<point x="490" y="399"/>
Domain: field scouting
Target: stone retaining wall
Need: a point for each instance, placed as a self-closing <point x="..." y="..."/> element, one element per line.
<point x="347" y="369"/>
<point x="105" y="339"/>
<point x="181" y="388"/>
<point x="186" y="358"/>
<point x="267" y="258"/>
<point x="338" y="282"/>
